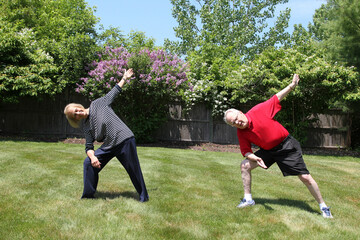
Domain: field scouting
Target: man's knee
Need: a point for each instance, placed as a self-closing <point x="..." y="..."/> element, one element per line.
<point x="306" y="179"/>
<point x="245" y="165"/>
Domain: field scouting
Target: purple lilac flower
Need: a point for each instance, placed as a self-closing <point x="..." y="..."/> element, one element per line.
<point x="164" y="68"/>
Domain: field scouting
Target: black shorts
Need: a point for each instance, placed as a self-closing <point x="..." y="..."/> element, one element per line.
<point x="287" y="155"/>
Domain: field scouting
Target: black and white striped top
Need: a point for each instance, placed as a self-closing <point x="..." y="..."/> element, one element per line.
<point x="103" y="125"/>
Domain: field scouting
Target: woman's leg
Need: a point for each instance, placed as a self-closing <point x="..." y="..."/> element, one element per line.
<point x="91" y="174"/>
<point x="128" y="157"/>
<point x="91" y="178"/>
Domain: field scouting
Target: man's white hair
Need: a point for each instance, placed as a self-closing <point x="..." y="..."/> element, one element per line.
<point x="229" y="111"/>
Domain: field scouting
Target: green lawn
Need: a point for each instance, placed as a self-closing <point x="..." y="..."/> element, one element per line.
<point x="193" y="195"/>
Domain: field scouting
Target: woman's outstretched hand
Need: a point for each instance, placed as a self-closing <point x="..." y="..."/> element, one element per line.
<point x="127" y="74"/>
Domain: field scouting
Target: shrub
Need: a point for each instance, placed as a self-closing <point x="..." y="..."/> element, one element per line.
<point x="322" y="86"/>
<point x="160" y="78"/>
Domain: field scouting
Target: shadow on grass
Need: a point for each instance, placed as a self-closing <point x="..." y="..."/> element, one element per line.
<point x="284" y="202"/>
<point x="113" y="195"/>
<point x="126" y="194"/>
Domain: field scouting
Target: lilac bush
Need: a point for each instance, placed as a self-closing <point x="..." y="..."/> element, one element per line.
<point x="160" y="78"/>
<point x="165" y="68"/>
<point x="104" y="73"/>
<point x="159" y="70"/>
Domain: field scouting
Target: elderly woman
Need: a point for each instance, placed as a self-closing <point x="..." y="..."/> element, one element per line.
<point x="100" y="123"/>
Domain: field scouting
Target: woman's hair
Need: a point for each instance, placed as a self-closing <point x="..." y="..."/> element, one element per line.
<point x="72" y="121"/>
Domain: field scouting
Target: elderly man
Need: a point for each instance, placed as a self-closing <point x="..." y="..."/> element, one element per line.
<point x="258" y="127"/>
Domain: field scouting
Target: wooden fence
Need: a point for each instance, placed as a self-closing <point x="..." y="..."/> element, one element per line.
<point x="45" y="118"/>
<point x="331" y="131"/>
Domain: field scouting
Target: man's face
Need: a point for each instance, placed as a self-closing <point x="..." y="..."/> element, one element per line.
<point x="237" y="119"/>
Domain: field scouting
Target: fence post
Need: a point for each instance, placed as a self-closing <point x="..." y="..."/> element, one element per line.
<point x="211" y="126"/>
<point x="348" y="134"/>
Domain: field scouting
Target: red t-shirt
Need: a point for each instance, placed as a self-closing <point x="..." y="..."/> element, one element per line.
<point x="263" y="130"/>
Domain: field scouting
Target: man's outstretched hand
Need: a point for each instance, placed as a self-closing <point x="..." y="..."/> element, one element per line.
<point x="261" y="163"/>
<point x="253" y="157"/>
<point x="295" y="81"/>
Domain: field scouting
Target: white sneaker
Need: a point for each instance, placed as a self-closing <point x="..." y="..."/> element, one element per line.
<point x="325" y="211"/>
<point x="245" y="203"/>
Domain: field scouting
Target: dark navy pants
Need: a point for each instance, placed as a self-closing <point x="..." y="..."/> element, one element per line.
<point x="126" y="153"/>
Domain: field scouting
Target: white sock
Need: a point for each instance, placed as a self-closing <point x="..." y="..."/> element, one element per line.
<point x="322" y="205"/>
<point x="248" y="197"/>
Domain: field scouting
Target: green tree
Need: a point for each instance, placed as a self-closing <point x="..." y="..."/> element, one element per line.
<point x="323" y="85"/>
<point x="217" y="36"/>
<point x="133" y="42"/>
<point x="25" y="68"/>
<point x="337" y="28"/>
<point x="111" y="37"/>
<point x="239" y="26"/>
<point x="62" y="30"/>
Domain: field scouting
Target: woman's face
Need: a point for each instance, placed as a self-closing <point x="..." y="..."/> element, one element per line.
<point x="77" y="113"/>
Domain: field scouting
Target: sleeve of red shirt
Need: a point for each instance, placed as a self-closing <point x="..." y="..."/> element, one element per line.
<point x="245" y="145"/>
<point x="274" y="106"/>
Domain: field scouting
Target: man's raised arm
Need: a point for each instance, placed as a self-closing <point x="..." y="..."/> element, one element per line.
<point x="283" y="93"/>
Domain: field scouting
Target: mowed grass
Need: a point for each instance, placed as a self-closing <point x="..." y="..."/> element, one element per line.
<point x="193" y="195"/>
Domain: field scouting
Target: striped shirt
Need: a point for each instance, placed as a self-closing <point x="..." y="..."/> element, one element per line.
<point x="103" y="125"/>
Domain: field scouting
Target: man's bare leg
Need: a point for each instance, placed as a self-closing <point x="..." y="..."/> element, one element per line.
<point x="311" y="184"/>
<point x="246" y="167"/>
